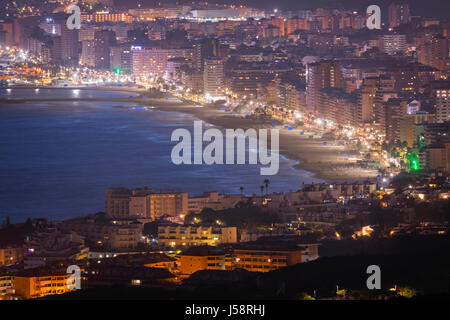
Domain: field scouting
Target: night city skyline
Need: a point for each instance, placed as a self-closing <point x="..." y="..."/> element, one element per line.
<point x="207" y="152"/>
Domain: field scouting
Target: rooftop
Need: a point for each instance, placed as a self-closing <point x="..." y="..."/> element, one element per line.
<point x="203" y="251"/>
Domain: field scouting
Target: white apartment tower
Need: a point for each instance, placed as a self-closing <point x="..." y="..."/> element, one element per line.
<point x="214" y="78"/>
<point x="442" y="105"/>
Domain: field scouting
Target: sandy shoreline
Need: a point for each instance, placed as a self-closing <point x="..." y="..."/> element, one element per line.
<point x="325" y="162"/>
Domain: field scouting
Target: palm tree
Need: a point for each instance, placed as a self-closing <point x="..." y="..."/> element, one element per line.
<point x="242" y="190"/>
<point x="262" y="190"/>
<point x="266" y="183"/>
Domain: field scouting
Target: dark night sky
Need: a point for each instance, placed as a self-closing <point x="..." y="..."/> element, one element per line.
<point x="426" y="8"/>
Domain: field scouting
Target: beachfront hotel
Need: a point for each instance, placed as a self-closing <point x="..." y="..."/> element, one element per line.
<point x="213" y="78"/>
<point x="6" y="287"/>
<point x="259" y="258"/>
<point x="153" y="60"/>
<point x="12" y="254"/>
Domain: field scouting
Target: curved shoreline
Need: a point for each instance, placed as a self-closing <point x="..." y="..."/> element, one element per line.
<point x="320" y="161"/>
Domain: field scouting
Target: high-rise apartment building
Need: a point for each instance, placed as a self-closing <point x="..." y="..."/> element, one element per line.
<point x="87" y="53"/>
<point x="442" y="105"/>
<point x="69" y="44"/>
<point x="435" y="53"/>
<point x="118" y="202"/>
<point x="87" y="32"/>
<point x="381" y="109"/>
<point x="395" y="111"/>
<point x="369" y="96"/>
<point x="206" y="48"/>
<point x="398" y="14"/>
<point x="210" y="48"/>
<point x="8" y="31"/>
<point x="36" y="284"/>
<point x="158" y="13"/>
<point x="436" y="157"/>
<point x="337" y="105"/>
<point x="250" y="79"/>
<point x="393" y="43"/>
<point x="279" y="23"/>
<point x="6" y="287"/>
<point x="366" y="101"/>
<point x="321" y="75"/>
<point x="100" y="17"/>
<point x="187" y="235"/>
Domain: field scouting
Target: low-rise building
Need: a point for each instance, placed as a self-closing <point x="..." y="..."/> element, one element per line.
<point x="38" y="283"/>
<point x="187" y="235"/>
<point x="200" y="258"/>
<point x="213" y="200"/>
<point x="106" y="233"/>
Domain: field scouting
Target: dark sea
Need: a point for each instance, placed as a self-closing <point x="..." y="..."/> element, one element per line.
<point x="57" y="158"/>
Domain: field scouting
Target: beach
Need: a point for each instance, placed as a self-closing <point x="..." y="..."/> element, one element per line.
<point x="326" y="162"/>
<point x="324" y="159"/>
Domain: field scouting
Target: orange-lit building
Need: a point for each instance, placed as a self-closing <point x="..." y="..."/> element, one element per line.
<point x="144" y="203"/>
<point x="200" y="258"/>
<point x="6" y="287"/>
<point x="279" y="23"/>
<point x="321" y="75"/>
<point x="187" y="235"/>
<point x="32" y="284"/>
<point x="152" y="14"/>
<point x="118" y="202"/>
<point x="256" y="258"/>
